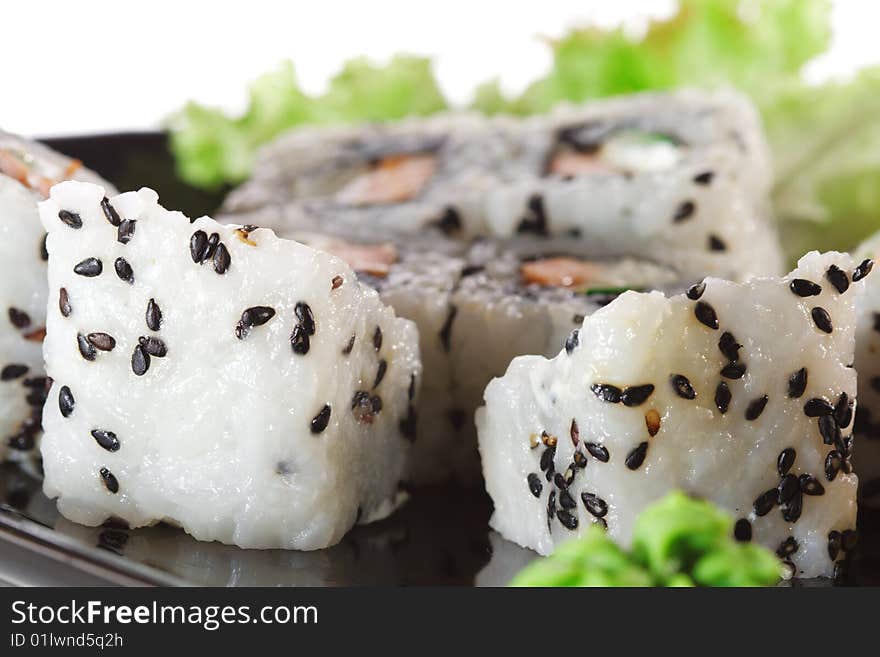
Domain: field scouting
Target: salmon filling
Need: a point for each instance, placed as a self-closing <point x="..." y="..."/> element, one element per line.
<point x="16" y="168"/>
<point x="561" y="272"/>
<point x="393" y="179"/>
<point x="373" y="259"/>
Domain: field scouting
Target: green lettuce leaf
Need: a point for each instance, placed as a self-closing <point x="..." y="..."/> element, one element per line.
<point x="363" y="91"/>
<point x="826" y="147"/>
<point x="212" y="149"/>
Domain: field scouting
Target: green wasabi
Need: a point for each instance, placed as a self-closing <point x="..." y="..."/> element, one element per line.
<point x="678" y="541"/>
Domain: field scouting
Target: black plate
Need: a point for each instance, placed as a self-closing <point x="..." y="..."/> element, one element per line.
<point x="440" y="537"/>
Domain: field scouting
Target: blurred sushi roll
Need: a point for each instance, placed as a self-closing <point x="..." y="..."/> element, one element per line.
<point x="507" y="305"/>
<point x="477" y="312"/>
<point x="27" y="170"/>
<point x="866" y="457"/>
<point x="739" y="393"/>
<point x="678" y="178"/>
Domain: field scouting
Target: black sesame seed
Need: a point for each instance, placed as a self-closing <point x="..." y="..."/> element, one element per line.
<point x="221" y="259"/>
<point x="810" y="485"/>
<point x="124" y="270"/>
<point x="785" y="461"/>
<point x="551" y="506"/>
<point x="694" y="292"/>
<point x="704" y="178"/>
<point x="90" y="267"/>
<point x="822" y="319"/>
<point x="599" y="452"/>
<point x="682" y="386"/>
<point x="838" y="278"/>
<point x="843" y="410"/>
<point x="566" y="501"/>
<point x="829" y="430"/>
<point x="597" y="507"/>
<point x="804" y="288"/>
<point x="70" y="219"/>
<point x="64" y="303"/>
<point x="320" y="421"/>
<point x="347" y="349"/>
<point x="574" y="432"/>
<point x="833" y="463"/>
<point x="636" y="395"/>
<point x="728" y="346"/>
<point x="153" y="346"/>
<point x="756" y="407"/>
<point x="834" y="540"/>
<point x="606" y="392"/>
<point x="66" y="402"/>
<point x="336" y="282"/>
<point x="788" y="547"/>
<point x="734" y="370"/>
<point x="102" y="341"/>
<point x="299" y="340"/>
<point x="198" y="246"/>
<point x="797" y="383"/>
<point x="580" y="460"/>
<point x="568" y="519"/>
<point x="572" y="341"/>
<point x="787" y="488"/>
<point x="19" y="318"/>
<point x="716" y="243"/>
<point x="153" y="316"/>
<point x="449" y="222"/>
<point x="126" y="231"/>
<point x="818" y="407"/>
<point x="85" y="347"/>
<point x="380" y="373"/>
<point x="559" y="481"/>
<point x="547" y="458"/>
<point x="742" y="530"/>
<point x="636" y="456"/>
<point x="14" y="371"/>
<point x="706" y="314"/>
<point x="684" y="211"/>
<point x="109" y="480"/>
<point x="862" y="270"/>
<point x="791" y="512"/>
<point x="535" y="484"/>
<point x="106" y="439"/>
<point x="765" y="502"/>
<point x="849" y="539"/>
<point x="306" y="319"/>
<point x="211" y="246"/>
<point x="140" y="361"/>
<point x="377" y="339"/>
<point x="110" y="212"/>
<point x="722" y="397"/>
<point x="254" y="316"/>
<point x="446" y="329"/>
<point x="44" y="251"/>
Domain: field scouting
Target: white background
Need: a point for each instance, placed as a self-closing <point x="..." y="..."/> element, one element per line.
<point x="89" y="66"/>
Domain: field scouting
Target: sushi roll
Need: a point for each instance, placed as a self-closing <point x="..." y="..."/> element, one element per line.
<point x="739" y="393"/>
<point x="866" y="458"/>
<point x="244" y="387"/>
<point x="27" y="170"/>
<point x="679" y="178"/>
